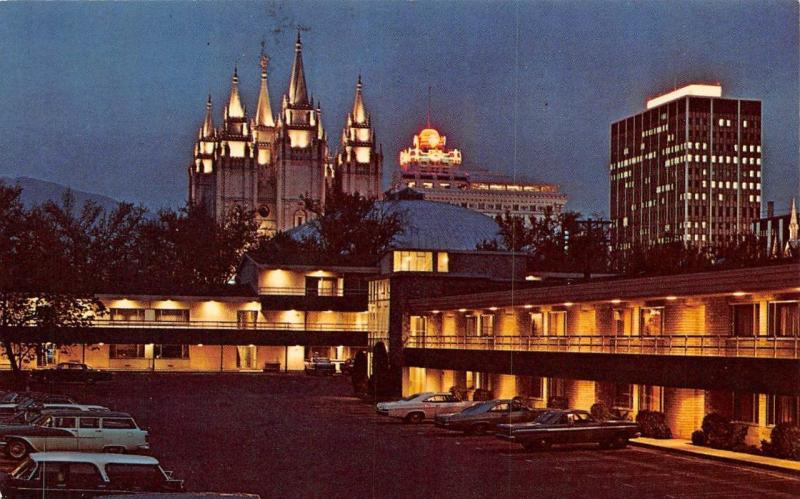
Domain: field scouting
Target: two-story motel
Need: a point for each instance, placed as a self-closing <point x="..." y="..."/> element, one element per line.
<point x="687" y="345"/>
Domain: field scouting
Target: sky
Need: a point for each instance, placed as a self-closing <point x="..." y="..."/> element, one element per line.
<point x="108" y="97"/>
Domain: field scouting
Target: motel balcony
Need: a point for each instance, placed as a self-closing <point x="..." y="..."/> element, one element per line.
<point x="733" y="330"/>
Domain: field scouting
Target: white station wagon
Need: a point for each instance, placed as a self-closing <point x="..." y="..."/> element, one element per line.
<point x="421" y="406"/>
<point x="85" y="431"/>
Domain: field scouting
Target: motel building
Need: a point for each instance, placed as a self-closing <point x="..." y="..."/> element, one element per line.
<point x="686" y="345"/>
<point x="286" y="309"/>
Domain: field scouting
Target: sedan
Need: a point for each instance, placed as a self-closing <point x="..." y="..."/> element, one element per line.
<point x="485" y="416"/>
<point x="70" y="372"/>
<point x="421" y="406"/>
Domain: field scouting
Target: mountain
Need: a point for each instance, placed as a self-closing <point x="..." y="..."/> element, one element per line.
<point x="35" y="191"/>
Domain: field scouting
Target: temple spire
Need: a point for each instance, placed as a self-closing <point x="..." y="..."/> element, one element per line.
<point x="298" y="95"/>
<point x="235" y="109"/>
<point x="359" y="114"/>
<point x="263" y="109"/>
<point x="793" y="226"/>
<point x="208" y="122"/>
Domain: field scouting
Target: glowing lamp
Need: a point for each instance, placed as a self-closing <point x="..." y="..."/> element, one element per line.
<point x="462" y="310"/>
<point x="492" y="308"/>
<point x="568" y="304"/>
<point x="616" y="301"/>
<point x="739" y="293"/>
<point x="672" y="298"/>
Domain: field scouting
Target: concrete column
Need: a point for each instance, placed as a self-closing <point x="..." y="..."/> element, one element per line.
<point x="684" y="409"/>
<point x="504" y="386"/>
<point x="763" y="317"/>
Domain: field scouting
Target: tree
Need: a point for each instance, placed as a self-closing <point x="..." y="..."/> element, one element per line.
<point x="355" y="226"/>
<point x="44" y="253"/>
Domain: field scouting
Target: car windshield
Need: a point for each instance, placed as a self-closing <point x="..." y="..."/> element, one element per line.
<point x="550" y="417"/>
<point x="477" y="409"/>
<point x="24" y="470"/>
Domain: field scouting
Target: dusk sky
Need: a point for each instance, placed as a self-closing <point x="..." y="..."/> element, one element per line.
<point x="107" y="97"/>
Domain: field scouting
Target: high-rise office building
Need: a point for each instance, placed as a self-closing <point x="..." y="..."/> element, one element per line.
<point x="688" y="168"/>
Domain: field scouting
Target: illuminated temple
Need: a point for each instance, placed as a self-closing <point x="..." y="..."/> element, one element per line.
<point x="271" y="162"/>
<point x="435" y="171"/>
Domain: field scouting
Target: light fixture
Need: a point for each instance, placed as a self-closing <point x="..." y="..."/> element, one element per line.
<point x="568" y="304"/>
<point x="672" y="298"/>
<point x="434" y="311"/>
<point x="528" y="306"/>
<point x="616" y="301"/>
<point x="200" y="345"/>
<point x="492" y="308"/>
<point x="533" y="278"/>
<point x="739" y="293"/>
<point x="462" y="310"/>
<point x="101" y="343"/>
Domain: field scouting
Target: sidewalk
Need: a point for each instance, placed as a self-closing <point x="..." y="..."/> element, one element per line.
<point x="686" y="447"/>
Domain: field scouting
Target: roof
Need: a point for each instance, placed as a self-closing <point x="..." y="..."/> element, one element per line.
<point x="90" y="413"/>
<point x="431" y="225"/>
<point x="92" y="457"/>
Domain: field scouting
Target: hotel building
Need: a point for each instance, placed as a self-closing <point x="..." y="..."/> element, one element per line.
<point x="686" y="345"/>
<point x="432" y="169"/>
<point x="688" y="168"/>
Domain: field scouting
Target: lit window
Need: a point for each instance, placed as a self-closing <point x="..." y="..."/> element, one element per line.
<point x="727" y="122"/>
<point x="442" y="262"/>
<point x="721" y="122"/>
<point x="744" y="123"/>
<point x="413" y="261"/>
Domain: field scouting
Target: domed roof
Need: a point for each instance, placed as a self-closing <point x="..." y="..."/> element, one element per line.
<point x="430" y="138"/>
<point x="431" y="226"/>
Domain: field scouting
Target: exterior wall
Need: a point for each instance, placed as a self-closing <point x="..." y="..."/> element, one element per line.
<point x="580" y="393"/>
<point x="684" y="409"/>
<point x="504" y="386"/>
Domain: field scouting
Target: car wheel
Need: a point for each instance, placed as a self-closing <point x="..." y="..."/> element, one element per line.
<point x="480" y="429"/>
<point x="17" y="449"/>
<point x="415" y="417"/>
<point x="620" y="442"/>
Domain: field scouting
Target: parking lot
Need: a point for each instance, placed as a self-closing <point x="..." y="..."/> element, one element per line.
<point x="282" y="435"/>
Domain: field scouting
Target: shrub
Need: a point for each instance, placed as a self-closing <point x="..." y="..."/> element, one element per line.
<point x="653" y="424"/>
<point x="784" y="442"/>
<point x="600" y="411"/>
<point x="698" y="437"/>
<point x="721" y="433"/>
<point x="558" y="403"/>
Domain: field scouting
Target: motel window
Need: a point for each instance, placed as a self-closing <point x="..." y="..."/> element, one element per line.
<point x="531" y="386"/>
<point x="486" y="324"/>
<point x="745" y="320"/>
<point x="127" y="314"/>
<point x="174" y="315"/>
<point x="172" y="351"/>
<point x="621" y="321"/>
<point x="300" y="217"/>
<point x="784" y="318"/>
<point x="651" y="321"/>
<point x="623" y="396"/>
<point x="557" y="323"/>
<point x="783" y="409"/>
<point x="442" y="262"/>
<point x="413" y="261"/>
<point x="471" y="325"/>
<point x="419" y="325"/>
<point x="555" y="387"/>
<point x="537" y="324"/>
<point x="651" y="398"/>
<point x="246" y="318"/>
<point x="745" y="407"/>
<point x="126" y="351"/>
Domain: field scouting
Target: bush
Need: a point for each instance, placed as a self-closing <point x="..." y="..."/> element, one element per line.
<point x="784" y="442"/>
<point x="653" y="424"/>
<point x="600" y="411"/>
<point x="558" y="403"/>
<point x="698" y="437"/>
<point x="358" y="375"/>
<point x="721" y="433"/>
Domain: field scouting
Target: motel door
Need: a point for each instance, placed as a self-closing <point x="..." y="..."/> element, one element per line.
<point x="246" y="357"/>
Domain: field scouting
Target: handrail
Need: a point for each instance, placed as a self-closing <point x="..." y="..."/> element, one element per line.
<point x="237" y="325"/>
<point x="310" y="292"/>
<point x="677" y="344"/>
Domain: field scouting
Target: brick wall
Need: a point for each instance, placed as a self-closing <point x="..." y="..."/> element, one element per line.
<point x="684" y="409"/>
<point x="717" y="316"/>
<point x="580" y="393"/>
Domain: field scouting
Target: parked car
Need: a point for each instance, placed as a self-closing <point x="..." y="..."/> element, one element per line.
<point x="15" y="402"/>
<point x="568" y="427"/>
<point x="78" y="474"/>
<point x="485" y="416"/>
<point x="89" y="431"/>
<point x="421" y="406"/>
<point x="321" y="366"/>
<point x="70" y="372"/>
<point x="28" y="412"/>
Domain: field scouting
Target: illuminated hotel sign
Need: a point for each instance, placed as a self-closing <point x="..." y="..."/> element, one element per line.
<point x="429" y="150"/>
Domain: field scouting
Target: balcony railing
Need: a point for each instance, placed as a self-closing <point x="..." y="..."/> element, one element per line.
<point x="302" y="291"/>
<point x="695" y="345"/>
<point x="282" y="326"/>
